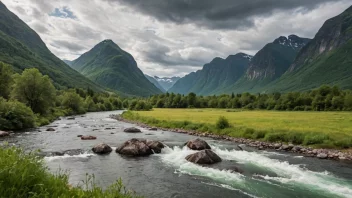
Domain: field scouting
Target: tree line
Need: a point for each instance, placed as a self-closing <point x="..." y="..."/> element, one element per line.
<point x="324" y="98"/>
<point x="30" y="99"/>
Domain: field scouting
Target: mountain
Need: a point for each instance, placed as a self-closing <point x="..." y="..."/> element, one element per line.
<point x="68" y="62"/>
<point x="155" y="82"/>
<point x="327" y="59"/>
<point x="268" y="64"/>
<point x="110" y="66"/>
<point x="21" y="47"/>
<point x="166" y="82"/>
<point x="214" y="76"/>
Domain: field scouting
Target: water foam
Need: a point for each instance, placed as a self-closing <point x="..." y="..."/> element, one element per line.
<point x="289" y="173"/>
<point x="54" y="158"/>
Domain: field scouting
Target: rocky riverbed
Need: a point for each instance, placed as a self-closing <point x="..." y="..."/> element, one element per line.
<point x="260" y="145"/>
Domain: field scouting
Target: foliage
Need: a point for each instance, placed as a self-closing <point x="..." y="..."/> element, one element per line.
<point x="15" y="115"/>
<point x="222" y="123"/>
<point x="319" y="129"/>
<point x="34" y="90"/>
<point x="24" y="175"/>
<point x="325" y="98"/>
<point x="5" y="80"/>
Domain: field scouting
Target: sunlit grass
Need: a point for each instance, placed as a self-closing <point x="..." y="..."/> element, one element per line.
<point x="323" y="129"/>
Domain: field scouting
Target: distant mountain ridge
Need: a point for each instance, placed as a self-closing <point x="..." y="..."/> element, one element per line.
<point x="214" y="76"/>
<point x="21" y="47"/>
<point x="166" y="82"/>
<point x="155" y="82"/>
<point x="110" y="66"/>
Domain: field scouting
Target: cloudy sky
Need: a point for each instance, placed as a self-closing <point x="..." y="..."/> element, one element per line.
<point x="172" y="37"/>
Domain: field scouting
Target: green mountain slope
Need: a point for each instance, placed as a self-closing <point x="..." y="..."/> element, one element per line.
<point x="22" y="47"/>
<point x="327" y="59"/>
<point x="155" y="82"/>
<point x="108" y="65"/>
<point x="268" y="64"/>
<point x="214" y="76"/>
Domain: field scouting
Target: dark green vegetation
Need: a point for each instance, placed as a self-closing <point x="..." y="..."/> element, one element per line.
<point x="287" y="64"/>
<point x="25" y="175"/>
<point x="108" y="65"/>
<point x="22" y="48"/>
<point x="155" y="82"/>
<point x="327" y="59"/>
<point x="186" y="120"/>
<point x="31" y="100"/>
<point x="325" y="98"/>
<point x="214" y="76"/>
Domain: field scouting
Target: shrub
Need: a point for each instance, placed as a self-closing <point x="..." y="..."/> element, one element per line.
<point x="275" y="137"/>
<point x="315" y="139"/>
<point x="248" y="133"/>
<point x="345" y="143"/>
<point x="259" y="134"/>
<point x="222" y="123"/>
<point x="15" y="115"/>
<point x="294" y="137"/>
<point x="24" y="175"/>
<point x="71" y="100"/>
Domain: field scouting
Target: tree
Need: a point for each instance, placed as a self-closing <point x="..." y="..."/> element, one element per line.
<point x="192" y="99"/>
<point x="72" y="101"/>
<point x="5" y="80"/>
<point x="35" y="90"/>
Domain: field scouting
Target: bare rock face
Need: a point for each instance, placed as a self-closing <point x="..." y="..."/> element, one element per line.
<point x="132" y="130"/>
<point x="156" y="146"/>
<point x="204" y="157"/>
<point x="102" y="148"/>
<point x="198" y="144"/>
<point x="88" y="137"/>
<point x="135" y="147"/>
<point x="4" y="133"/>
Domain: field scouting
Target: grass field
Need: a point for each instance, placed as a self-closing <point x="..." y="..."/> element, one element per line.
<point x="327" y="129"/>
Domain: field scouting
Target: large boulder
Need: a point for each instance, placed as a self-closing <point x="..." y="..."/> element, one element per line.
<point x="204" y="157"/>
<point x="88" y="137"/>
<point x="132" y="130"/>
<point x="102" y="148"/>
<point x="198" y="144"/>
<point x="156" y="146"/>
<point x="4" y="133"/>
<point x="135" y="147"/>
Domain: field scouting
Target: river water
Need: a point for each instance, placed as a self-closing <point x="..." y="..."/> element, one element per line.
<point x="264" y="173"/>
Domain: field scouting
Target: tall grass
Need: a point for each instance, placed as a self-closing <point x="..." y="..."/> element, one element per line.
<point x="25" y="175"/>
<point x="314" y="139"/>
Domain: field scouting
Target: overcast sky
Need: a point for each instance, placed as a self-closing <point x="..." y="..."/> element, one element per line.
<point x="172" y="37"/>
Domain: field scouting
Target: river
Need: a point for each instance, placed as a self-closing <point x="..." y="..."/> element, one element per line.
<point x="264" y="173"/>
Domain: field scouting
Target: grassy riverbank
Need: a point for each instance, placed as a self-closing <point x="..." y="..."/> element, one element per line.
<point x="318" y="129"/>
<point x="25" y="175"/>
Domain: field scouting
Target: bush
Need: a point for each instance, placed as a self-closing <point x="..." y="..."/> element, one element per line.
<point x="294" y="137"/>
<point x="275" y="137"/>
<point x="315" y="139"/>
<point x="15" y="115"/>
<point x="71" y="100"/>
<point x="24" y="175"/>
<point x="222" y="123"/>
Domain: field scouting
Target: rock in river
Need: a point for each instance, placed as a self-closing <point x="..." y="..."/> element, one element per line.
<point x="132" y="130"/>
<point x="88" y="137"/>
<point x="4" y="134"/>
<point x="198" y="144"/>
<point x="156" y="146"/>
<point x="204" y="157"/>
<point x="322" y="156"/>
<point x="135" y="147"/>
<point x="102" y="148"/>
<point x="50" y="129"/>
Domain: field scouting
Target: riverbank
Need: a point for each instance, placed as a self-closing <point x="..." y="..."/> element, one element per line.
<point x="321" y="153"/>
<point x="23" y="175"/>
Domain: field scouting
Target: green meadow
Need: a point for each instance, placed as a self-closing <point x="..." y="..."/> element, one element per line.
<point x="319" y="129"/>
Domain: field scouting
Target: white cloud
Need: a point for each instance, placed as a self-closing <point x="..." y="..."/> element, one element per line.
<point x="160" y="48"/>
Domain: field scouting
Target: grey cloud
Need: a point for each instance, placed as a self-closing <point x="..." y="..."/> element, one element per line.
<point x="68" y="45"/>
<point x="219" y="14"/>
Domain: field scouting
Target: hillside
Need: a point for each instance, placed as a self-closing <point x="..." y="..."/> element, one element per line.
<point x="268" y="64"/>
<point x="327" y="59"/>
<point x="108" y="65"/>
<point x="21" y="47"/>
<point x="155" y="82"/>
<point x="214" y="76"/>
